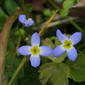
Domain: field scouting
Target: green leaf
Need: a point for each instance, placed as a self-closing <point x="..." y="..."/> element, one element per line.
<point x="64" y="12"/>
<point x="20" y="32"/>
<point x="31" y="76"/>
<point x="77" y="68"/>
<point x="55" y="73"/>
<point x="3" y="18"/>
<point x="47" y="12"/>
<point x="57" y="59"/>
<point x="57" y="42"/>
<point x="48" y="42"/>
<point x="46" y="71"/>
<point x="68" y="4"/>
<point x="10" y="6"/>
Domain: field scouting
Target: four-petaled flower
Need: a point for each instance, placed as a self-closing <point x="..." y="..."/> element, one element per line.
<point x="35" y="51"/>
<point x="27" y="22"/>
<point x="67" y="45"/>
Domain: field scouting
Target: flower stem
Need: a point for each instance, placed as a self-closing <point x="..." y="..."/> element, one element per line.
<point x="44" y="27"/>
<point x="75" y="25"/>
<point x="18" y="70"/>
<point x="53" y="4"/>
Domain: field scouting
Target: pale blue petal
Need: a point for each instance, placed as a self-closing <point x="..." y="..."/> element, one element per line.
<point x="24" y="50"/>
<point x="35" y="39"/>
<point x="72" y="54"/>
<point x="45" y="50"/>
<point x="26" y="25"/>
<point x="61" y="36"/>
<point x="22" y="18"/>
<point x="29" y="22"/>
<point x="58" y="51"/>
<point x="35" y="60"/>
<point x="76" y="37"/>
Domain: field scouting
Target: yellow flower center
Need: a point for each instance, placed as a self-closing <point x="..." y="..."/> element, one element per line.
<point x="35" y="50"/>
<point x="67" y="44"/>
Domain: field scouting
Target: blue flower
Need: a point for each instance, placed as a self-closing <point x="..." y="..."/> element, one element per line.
<point x="67" y="45"/>
<point x="35" y="50"/>
<point x="25" y="21"/>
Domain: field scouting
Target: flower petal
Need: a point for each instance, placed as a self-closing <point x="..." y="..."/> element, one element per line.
<point x="35" y="39"/>
<point x="24" y="50"/>
<point x="29" y="22"/>
<point x="45" y="50"/>
<point x="76" y="37"/>
<point x="58" y="51"/>
<point x="26" y="25"/>
<point x="35" y="60"/>
<point x="22" y="18"/>
<point x="72" y="54"/>
<point x="61" y="36"/>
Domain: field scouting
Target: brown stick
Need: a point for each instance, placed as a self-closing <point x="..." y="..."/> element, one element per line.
<point x="44" y="27"/>
<point x="4" y="41"/>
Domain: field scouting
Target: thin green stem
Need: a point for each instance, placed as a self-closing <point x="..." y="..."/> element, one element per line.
<point x="6" y="82"/>
<point x="17" y="71"/>
<point x="53" y="4"/>
<point x="75" y="25"/>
